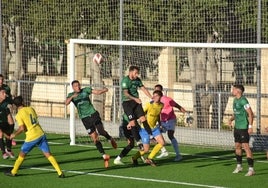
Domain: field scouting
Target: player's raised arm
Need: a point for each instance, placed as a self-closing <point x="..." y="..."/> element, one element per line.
<point x="129" y="96"/>
<point x="145" y="90"/>
<point x="99" y="91"/>
<point x="70" y="98"/>
<point x="180" y="107"/>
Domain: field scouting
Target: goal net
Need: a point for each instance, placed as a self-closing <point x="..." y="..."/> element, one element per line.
<point x="198" y="76"/>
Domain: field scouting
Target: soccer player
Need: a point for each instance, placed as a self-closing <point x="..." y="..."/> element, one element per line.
<point x="5" y="127"/>
<point x="152" y="111"/>
<point x="8" y="103"/>
<point x="90" y="116"/>
<point x="131" y="102"/>
<point x="243" y="119"/>
<point x="130" y="139"/>
<point x="168" y="122"/>
<point x="27" y="120"/>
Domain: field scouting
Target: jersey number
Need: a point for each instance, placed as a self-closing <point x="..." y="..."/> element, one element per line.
<point x="33" y="120"/>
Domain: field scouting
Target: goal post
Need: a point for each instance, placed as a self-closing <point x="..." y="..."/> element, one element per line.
<point x="175" y="65"/>
<point x="71" y="74"/>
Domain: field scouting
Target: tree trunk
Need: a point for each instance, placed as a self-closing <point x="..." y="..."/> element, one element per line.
<point x="202" y="99"/>
<point x="4" y="51"/>
<point x="197" y="60"/>
<point x="18" y="72"/>
<point x="97" y="100"/>
<point x="63" y="68"/>
<point x="212" y="88"/>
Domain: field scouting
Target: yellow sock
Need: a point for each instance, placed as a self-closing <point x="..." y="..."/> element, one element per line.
<point x="138" y="155"/>
<point x="54" y="163"/>
<point x="17" y="164"/>
<point x="155" y="150"/>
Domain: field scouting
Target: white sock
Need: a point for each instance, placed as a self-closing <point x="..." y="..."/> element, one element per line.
<point x="163" y="149"/>
<point x="118" y="158"/>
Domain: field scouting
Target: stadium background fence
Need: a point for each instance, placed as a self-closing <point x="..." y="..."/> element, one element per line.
<point x="35" y="42"/>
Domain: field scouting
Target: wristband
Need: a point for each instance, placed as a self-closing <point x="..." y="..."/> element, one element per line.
<point x="249" y="126"/>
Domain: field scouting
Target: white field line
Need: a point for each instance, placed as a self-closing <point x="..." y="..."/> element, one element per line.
<point x="122" y="177"/>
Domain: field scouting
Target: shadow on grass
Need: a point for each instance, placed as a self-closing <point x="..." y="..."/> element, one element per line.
<point x="206" y="158"/>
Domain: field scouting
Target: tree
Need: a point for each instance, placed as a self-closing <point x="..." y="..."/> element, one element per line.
<point x="203" y="25"/>
<point x="179" y="21"/>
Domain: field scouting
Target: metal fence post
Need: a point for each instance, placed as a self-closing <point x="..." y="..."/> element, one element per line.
<point x="219" y="111"/>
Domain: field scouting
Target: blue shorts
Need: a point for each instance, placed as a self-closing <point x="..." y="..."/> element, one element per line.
<point x="40" y="142"/>
<point x="145" y="137"/>
<point x="169" y="125"/>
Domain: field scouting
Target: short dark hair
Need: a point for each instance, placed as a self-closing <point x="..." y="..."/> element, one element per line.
<point x="134" y="67"/>
<point x="159" y="86"/>
<point x="239" y="86"/>
<point x="158" y="92"/>
<point x="18" y="101"/>
<point x="75" y="81"/>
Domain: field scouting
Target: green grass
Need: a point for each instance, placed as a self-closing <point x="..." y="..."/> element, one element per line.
<point x="83" y="166"/>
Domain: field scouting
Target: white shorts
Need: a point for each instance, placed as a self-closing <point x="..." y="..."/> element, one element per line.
<point x="169" y="125"/>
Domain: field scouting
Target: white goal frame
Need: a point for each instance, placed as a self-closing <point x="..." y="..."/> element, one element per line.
<point x="71" y="52"/>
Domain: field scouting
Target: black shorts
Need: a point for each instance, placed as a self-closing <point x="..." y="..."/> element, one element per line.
<point x="6" y="128"/>
<point x="133" y="110"/>
<point x="90" y="122"/>
<point x="241" y="135"/>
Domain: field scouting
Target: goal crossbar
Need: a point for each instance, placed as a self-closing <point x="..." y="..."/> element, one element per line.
<point x="170" y="44"/>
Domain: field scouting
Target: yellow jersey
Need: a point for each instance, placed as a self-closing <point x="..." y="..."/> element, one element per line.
<point x="152" y="111"/>
<point x="28" y="118"/>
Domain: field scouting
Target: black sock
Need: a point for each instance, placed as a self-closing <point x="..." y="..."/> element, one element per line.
<point x="250" y="162"/>
<point x="8" y="144"/>
<point x="239" y="159"/>
<point x="102" y="132"/>
<point x="98" y="145"/>
<point x="2" y="145"/>
<point x="127" y="149"/>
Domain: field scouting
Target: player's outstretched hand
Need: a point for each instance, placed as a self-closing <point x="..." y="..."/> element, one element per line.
<point x="105" y="89"/>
